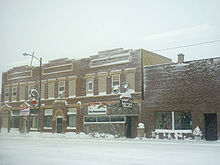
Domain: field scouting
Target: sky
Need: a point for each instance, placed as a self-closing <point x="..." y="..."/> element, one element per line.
<point x="75" y="29"/>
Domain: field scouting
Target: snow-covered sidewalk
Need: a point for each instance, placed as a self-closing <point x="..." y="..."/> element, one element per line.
<point x="40" y="149"/>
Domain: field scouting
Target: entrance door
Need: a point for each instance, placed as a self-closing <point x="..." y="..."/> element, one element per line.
<point x="59" y="125"/>
<point x="128" y="126"/>
<point x="211" y="126"/>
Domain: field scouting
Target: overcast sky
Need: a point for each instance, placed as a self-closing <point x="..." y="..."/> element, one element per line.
<point x="80" y="28"/>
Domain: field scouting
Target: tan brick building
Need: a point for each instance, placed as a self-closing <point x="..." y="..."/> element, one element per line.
<point x="181" y="96"/>
<point x="102" y="93"/>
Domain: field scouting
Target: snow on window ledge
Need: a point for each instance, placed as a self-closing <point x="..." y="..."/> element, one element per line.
<point x="89" y="94"/>
<point x="102" y="93"/>
<point x="47" y="127"/>
<point x="72" y="96"/>
<point x="71" y="127"/>
<point x="172" y="131"/>
<point x="33" y="129"/>
<point x="50" y="98"/>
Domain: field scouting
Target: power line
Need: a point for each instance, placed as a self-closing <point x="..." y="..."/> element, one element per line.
<point x="184" y="46"/>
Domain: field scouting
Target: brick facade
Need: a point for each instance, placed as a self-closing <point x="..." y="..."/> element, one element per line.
<point x="192" y="87"/>
<point x="56" y="95"/>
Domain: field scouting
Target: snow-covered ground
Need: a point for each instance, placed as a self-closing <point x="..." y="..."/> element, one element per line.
<point x="53" y="149"/>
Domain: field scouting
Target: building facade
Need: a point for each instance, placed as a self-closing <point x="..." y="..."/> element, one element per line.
<point x="179" y="97"/>
<point x="102" y="93"/>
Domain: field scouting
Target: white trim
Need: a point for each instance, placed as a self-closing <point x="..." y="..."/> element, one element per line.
<point x="112" y="56"/>
<point x="57" y="66"/>
<point x="90" y="74"/>
<point x="19" y="77"/>
<point x="173" y="121"/>
<point x="72" y="77"/>
<point x="129" y="69"/>
<point x="14" y="84"/>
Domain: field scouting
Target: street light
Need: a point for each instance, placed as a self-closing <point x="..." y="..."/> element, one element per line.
<point x="40" y="60"/>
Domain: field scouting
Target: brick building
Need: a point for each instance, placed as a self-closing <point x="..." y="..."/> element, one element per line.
<point x="181" y="96"/>
<point x="102" y="93"/>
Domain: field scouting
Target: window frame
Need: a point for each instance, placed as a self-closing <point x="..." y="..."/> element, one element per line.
<point x="59" y="87"/>
<point x="88" y="83"/>
<point x="173" y="124"/>
<point x="46" y="115"/>
<point x="14" y="96"/>
<point x="113" y="86"/>
<point x="6" y="98"/>
<point x="71" y="114"/>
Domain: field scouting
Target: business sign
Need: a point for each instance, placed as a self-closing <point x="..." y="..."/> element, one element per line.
<point x="24" y="111"/>
<point x="97" y="108"/>
<point x="126" y="102"/>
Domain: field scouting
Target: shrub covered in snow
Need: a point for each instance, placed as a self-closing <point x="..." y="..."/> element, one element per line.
<point x="197" y="133"/>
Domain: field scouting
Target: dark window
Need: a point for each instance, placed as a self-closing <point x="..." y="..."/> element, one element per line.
<point x="71" y="120"/>
<point x="183" y="120"/>
<point x="48" y="121"/>
<point x="163" y="120"/>
<point x="90" y="119"/>
<point x="103" y="119"/>
<point x="117" y="119"/>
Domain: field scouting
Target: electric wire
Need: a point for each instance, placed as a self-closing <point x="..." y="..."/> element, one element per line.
<point x="184" y="46"/>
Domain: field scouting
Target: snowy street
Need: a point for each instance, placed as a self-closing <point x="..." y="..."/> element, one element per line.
<point x="60" y="150"/>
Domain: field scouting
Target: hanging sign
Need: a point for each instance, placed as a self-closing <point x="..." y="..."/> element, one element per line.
<point x="24" y="111"/>
<point x="97" y="108"/>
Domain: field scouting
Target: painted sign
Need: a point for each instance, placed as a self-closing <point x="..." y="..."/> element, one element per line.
<point x="24" y="111"/>
<point x="97" y="108"/>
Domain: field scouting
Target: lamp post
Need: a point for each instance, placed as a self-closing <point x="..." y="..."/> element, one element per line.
<point x="39" y="102"/>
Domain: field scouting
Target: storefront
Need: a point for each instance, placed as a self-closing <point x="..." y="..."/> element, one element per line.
<point x="111" y="118"/>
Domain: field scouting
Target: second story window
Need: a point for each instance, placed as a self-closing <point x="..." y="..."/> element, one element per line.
<point x="30" y="87"/>
<point x="22" y="92"/>
<point x="14" y="93"/>
<point x="90" y="86"/>
<point x="6" y="94"/>
<point x="102" y="85"/>
<point x="130" y="80"/>
<point x="115" y="84"/>
<point x="61" y="90"/>
<point x="51" y="89"/>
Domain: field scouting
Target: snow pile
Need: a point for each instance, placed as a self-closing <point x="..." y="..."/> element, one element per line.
<point x="102" y="135"/>
<point x="68" y="135"/>
<point x="197" y="133"/>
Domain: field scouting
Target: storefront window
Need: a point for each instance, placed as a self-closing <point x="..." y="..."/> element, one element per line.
<point x="15" y="120"/>
<point x="48" y="118"/>
<point x="71" y="117"/>
<point x="71" y="121"/>
<point x="34" y="119"/>
<point x="163" y="120"/>
<point x="117" y="118"/>
<point x="90" y="119"/>
<point x="173" y="120"/>
<point x="103" y="119"/>
<point x="183" y="120"/>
